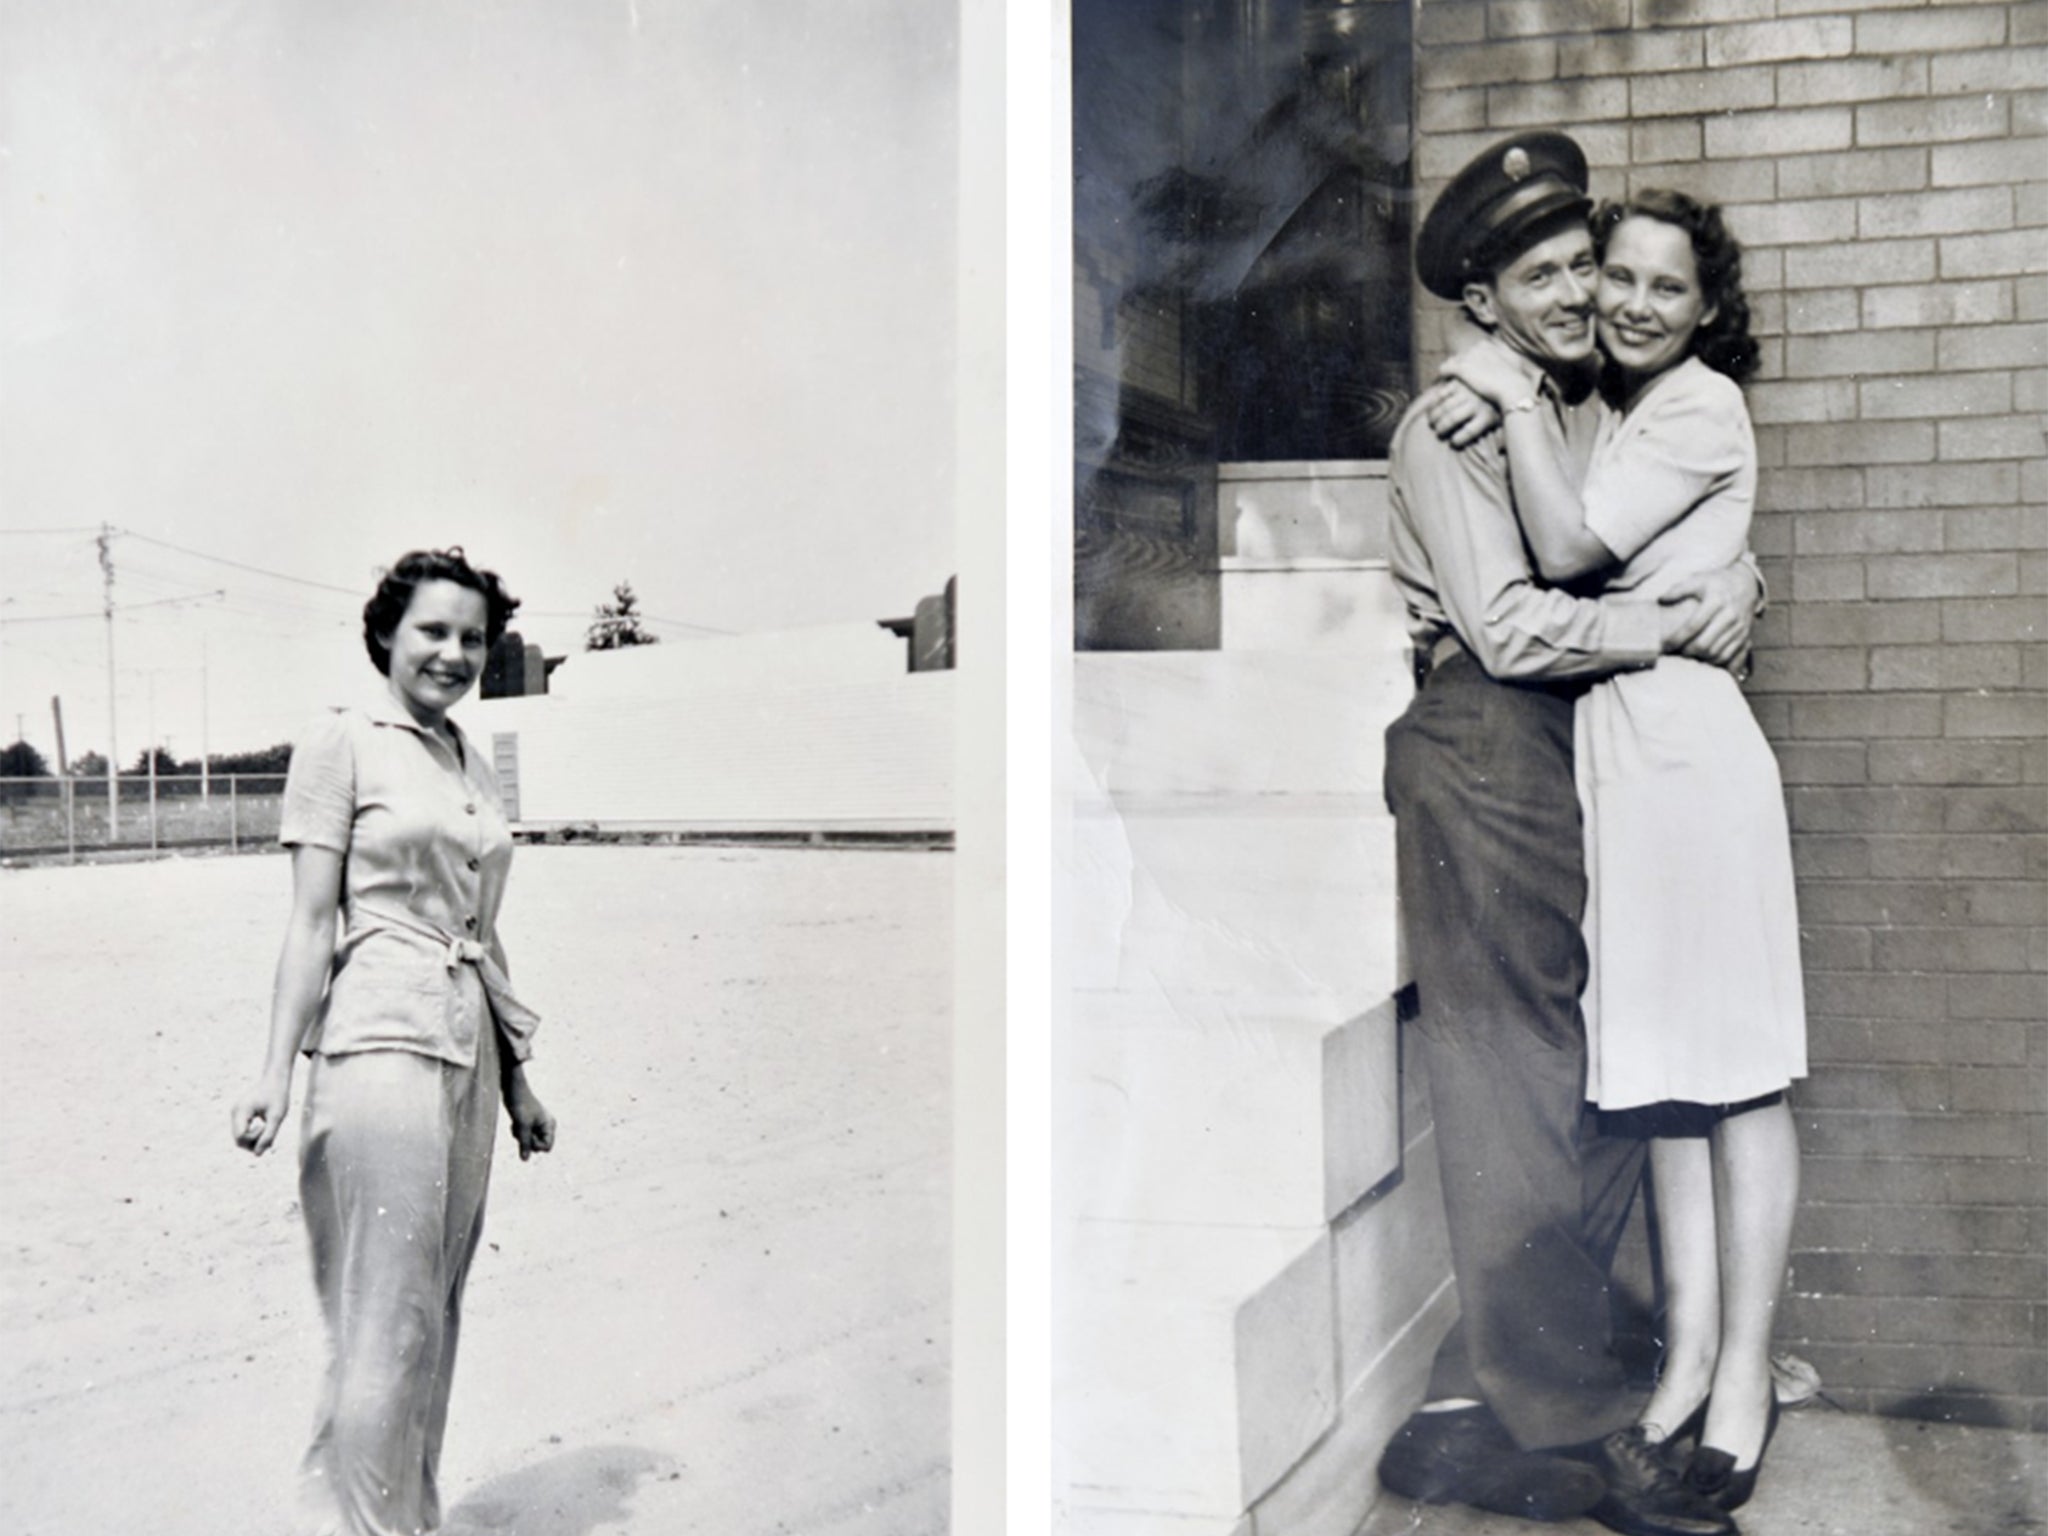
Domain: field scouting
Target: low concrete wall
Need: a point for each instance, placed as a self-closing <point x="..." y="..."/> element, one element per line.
<point x="1251" y="1271"/>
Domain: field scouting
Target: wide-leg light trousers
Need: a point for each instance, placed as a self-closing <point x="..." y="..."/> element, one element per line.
<point x="395" y="1159"/>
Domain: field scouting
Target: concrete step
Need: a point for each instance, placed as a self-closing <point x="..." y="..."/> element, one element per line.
<point x="1225" y="1112"/>
<point x="1194" y="1366"/>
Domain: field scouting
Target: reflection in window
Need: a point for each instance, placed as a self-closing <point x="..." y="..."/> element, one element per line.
<point x="1241" y="204"/>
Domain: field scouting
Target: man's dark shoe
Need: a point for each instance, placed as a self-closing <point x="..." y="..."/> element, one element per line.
<point x="1645" y="1497"/>
<point x="1466" y="1456"/>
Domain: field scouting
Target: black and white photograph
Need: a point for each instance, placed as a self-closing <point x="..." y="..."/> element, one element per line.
<point x="1552" y="845"/>
<point x="483" y="595"/>
<point x="1122" y="768"/>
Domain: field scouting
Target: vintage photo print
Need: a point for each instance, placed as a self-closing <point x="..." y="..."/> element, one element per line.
<point x="484" y="608"/>
<point x="1550" y="873"/>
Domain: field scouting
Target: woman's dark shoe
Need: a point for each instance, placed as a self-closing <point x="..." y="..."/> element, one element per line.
<point x="1695" y="1423"/>
<point x="1677" y="1447"/>
<point x="1712" y="1475"/>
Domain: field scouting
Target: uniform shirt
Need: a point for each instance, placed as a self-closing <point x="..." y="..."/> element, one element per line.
<point x="1457" y="555"/>
<point x="425" y="849"/>
<point x="1673" y="481"/>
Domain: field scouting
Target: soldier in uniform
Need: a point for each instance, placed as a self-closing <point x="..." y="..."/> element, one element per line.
<point x="1529" y="1407"/>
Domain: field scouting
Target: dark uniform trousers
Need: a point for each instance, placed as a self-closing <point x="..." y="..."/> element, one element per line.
<point x="1493" y="887"/>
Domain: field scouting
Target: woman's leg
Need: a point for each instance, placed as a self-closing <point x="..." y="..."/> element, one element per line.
<point x="1682" y="1175"/>
<point x="374" y="1163"/>
<point x="472" y="1123"/>
<point x="1756" y="1192"/>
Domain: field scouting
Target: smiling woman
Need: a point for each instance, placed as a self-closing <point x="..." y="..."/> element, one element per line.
<point x="431" y="626"/>
<point x="395" y="828"/>
<point x="1649" y="298"/>
<point x="1694" y="1009"/>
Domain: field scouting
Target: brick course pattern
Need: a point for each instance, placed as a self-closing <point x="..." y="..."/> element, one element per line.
<point x="1885" y="166"/>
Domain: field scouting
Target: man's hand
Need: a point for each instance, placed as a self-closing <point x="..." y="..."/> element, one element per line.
<point x="1713" y="616"/>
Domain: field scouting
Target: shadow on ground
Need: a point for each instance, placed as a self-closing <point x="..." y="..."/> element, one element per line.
<point x="567" y="1495"/>
<point x="1982" y="1482"/>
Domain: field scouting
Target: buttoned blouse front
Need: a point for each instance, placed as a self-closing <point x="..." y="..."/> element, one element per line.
<point x="426" y="850"/>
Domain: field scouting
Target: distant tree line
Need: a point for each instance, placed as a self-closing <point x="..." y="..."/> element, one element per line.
<point x="23" y="761"/>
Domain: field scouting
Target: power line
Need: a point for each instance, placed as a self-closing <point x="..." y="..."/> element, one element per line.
<point x="55" y="618"/>
<point x="349" y="592"/>
<point x="249" y="600"/>
<point x="257" y="570"/>
<point x="589" y="614"/>
<point x="101" y="613"/>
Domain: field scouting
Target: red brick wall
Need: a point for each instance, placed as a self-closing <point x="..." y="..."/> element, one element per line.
<point x="1885" y="166"/>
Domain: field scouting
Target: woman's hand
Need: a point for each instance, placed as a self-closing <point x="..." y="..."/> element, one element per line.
<point x="259" y="1115"/>
<point x="302" y="968"/>
<point x="532" y="1126"/>
<point x="1489" y="372"/>
<point x="1457" y="413"/>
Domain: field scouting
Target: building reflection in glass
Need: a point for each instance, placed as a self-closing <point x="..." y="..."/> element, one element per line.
<point x="1241" y="216"/>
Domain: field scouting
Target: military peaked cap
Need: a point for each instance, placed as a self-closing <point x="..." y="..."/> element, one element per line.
<point x="1504" y="195"/>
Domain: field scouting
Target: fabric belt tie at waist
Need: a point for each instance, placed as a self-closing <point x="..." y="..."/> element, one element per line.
<point x="516" y="1021"/>
<point x="460" y="950"/>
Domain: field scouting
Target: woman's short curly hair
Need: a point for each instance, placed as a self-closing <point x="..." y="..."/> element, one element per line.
<point x="382" y="613"/>
<point x="1722" y="343"/>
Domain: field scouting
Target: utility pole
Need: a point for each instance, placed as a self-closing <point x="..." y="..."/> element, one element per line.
<point x="205" y="739"/>
<point x="152" y="762"/>
<point x="64" y="778"/>
<point x="106" y="544"/>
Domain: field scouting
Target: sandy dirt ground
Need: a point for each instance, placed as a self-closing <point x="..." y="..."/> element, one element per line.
<point x="720" y="1306"/>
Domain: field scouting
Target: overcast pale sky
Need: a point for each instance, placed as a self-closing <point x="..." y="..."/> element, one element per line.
<point x="659" y="290"/>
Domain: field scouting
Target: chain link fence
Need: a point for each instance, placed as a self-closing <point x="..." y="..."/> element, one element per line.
<point x="76" y="817"/>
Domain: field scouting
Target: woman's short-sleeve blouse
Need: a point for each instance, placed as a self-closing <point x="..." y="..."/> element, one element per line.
<point x="426" y="851"/>
<point x="1671" y="485"/>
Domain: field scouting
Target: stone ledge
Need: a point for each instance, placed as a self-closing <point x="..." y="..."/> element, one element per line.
<point x="1152" y="1356"/>
<point x="1222" y="1113"/>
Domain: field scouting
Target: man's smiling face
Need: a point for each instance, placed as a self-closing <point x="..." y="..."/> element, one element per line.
<point x="1541" y="303"/>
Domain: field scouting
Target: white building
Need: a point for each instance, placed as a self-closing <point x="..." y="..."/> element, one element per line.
<point x="820" y="729"/>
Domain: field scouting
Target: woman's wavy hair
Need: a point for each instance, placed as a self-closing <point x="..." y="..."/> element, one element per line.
<point x="1723" y="343"/>
<point x="382" y="613"/>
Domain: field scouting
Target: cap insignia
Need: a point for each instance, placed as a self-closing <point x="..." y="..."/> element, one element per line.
<point x="1515" y="163"/>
